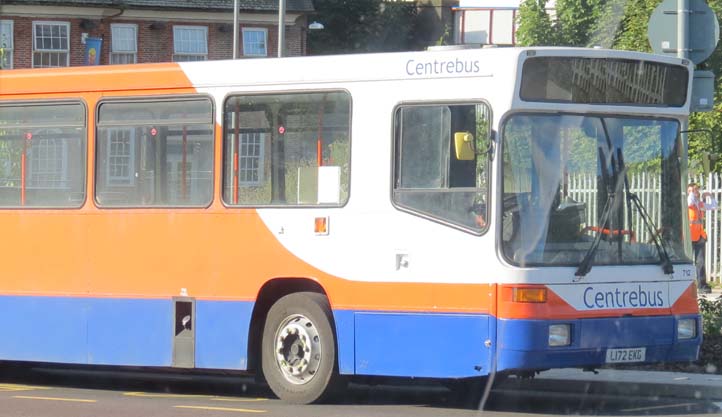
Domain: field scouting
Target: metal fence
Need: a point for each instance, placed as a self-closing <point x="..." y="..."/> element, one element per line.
<point x="583" y="188"/>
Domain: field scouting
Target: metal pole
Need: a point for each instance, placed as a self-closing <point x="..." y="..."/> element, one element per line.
<point x="281" y="27"/>
<point x="235" y="29"/>
<point x="682" y="28"/>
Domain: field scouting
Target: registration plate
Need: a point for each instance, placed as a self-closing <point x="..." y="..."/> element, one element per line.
<point x="626" y="355"/>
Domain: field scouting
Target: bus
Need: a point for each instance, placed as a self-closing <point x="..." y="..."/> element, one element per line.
<point x="451" y="215"/>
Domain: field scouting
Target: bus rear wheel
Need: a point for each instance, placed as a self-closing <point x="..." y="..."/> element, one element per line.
<point x="298" y="349"/>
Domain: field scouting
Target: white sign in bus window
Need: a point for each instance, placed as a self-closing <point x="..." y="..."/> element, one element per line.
<point x="329" y="185"/>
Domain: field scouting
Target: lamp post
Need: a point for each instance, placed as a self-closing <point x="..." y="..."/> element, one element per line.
<point x="281" y="27"/>
<point x="235" y="29"/>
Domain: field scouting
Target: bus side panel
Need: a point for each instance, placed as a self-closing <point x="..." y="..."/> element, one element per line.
<point x="422" y="345"/>
<point x="345" y="341"/>
<point x="222" y="334"/>
<point x="135" y="332"/>
<point x="48" y="329"/>
<point x="77" y="330"/>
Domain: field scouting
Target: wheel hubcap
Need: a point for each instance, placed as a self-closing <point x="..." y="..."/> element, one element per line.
<point x="298" y="349"/>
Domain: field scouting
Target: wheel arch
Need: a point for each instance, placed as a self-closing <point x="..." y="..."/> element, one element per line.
<point x="268" y="294"/>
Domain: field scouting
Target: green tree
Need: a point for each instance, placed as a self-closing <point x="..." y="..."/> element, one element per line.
<point x="575" y="20"/>
<point x="358" y="26"/>
<point x="535" y="26"/>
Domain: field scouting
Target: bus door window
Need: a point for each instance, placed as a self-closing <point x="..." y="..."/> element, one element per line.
<point x="287" y="149"/>
<point x="42" y="154"/>
<point x="432" y="177"/>
<point x="155" y="153"/>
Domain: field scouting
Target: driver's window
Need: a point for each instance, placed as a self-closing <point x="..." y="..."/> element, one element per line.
<point x="432" y="176"/>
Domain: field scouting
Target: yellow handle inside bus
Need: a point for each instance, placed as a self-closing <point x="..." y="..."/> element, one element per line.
<point x="464" y="146"/>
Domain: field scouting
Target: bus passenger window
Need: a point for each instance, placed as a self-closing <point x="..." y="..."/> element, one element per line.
<point x="42" y="155"/>
<point x="287" y="149"/>
<point x="430" y="176"/>
<point x="155" y="153"/>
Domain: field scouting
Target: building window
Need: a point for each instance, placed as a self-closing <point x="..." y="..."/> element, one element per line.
<point x="51" y="44"/>
<point x="121" y="156"/>
<point x="124" y="44"/>
<point x="6" y="44"/>
<point x="250" y="158"/>
<point x="48" y="162"/>
<point x="255" y="42"/>
<point x="190" y="43"/>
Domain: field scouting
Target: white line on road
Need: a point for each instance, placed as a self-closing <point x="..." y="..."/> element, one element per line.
<point x="76" y="400"/>
<point x="237" y="410"/>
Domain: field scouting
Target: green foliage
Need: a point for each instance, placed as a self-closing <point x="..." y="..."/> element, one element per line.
<point x="358" y="26"/>
<point x="535" y="25"/>
<point x="633" y="30"/>
<point x="711" y="311"/>
<point x="575" y="20"/>
<point x="606" y="29"/>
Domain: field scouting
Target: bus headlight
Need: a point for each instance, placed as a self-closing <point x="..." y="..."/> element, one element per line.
<point x="686" y="329"/>
<point x="560" y="335"/>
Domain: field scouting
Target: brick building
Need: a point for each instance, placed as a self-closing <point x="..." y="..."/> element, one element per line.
<point x="57" y="33"/>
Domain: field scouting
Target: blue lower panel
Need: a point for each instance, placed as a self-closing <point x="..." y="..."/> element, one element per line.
<point x="524" y="344"/>
<point x="419" y="345"/>
<point x="130" y="332"/>
<point x="44" y="329"/>
<point x="222" y="334"/>
<point x="86" y="330"/>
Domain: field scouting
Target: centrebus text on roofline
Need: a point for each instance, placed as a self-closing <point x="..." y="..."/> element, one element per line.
<point x="435" y="67"/>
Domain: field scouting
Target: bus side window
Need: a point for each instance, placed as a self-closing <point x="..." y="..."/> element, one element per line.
<point x="430" y="178"/>
<point x="287" y="149"/>
<point x="155" y="153"/>
<point x="42" y="154"/>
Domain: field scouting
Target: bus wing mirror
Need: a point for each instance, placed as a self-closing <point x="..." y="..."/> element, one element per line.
<point x="464" y="146"/>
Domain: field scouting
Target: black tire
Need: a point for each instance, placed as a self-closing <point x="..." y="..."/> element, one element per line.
<point x="300" y="317"/>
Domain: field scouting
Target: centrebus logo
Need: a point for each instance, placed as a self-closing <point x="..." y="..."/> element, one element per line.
<point x="621" y="295"/>
<point x="623" y="298"/>
<point x="436" y="67"/>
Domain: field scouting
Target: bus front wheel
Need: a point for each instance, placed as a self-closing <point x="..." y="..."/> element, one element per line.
<point x="298" y="352"/>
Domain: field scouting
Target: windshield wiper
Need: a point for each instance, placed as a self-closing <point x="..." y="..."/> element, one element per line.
<point x="612" y="191"/>
<point x="659" y="243"/>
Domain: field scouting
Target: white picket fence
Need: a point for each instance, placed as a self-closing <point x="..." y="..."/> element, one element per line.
<point x="583" y="188"/>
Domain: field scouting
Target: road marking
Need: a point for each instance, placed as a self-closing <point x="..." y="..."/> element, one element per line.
<point x="15" y="387"/>
<point x="196" y="396"/>
<point x="76" y="400"/>
<point x="237" y="410"/>
<point x="153" y="395"/>
<point x="239" y="400"/>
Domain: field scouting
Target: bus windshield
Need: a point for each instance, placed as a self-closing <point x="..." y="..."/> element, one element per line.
<point x="569" y="180"/>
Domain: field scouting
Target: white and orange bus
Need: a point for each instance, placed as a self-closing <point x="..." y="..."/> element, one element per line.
<point x="314" y="218"/>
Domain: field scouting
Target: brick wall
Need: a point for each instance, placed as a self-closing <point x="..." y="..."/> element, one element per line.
<point x="155" y="41"/>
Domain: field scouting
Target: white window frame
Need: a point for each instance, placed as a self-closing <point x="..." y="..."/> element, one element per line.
<point x="116" y="51"/>
<point x="58" y="154"/>
<point x="65" y="51"/>
<point x="179" y="54"/>
<point x="246" y="49"/>
<point x="244" y="141"/>
<point x="120" y="180"/>
<point x="6" y="38"/>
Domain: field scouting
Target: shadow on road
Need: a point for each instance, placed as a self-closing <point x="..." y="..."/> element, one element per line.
<point x="510" y="396"/>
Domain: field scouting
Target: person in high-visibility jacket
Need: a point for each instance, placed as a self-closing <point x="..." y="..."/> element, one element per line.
<point x="696" y="205"/>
